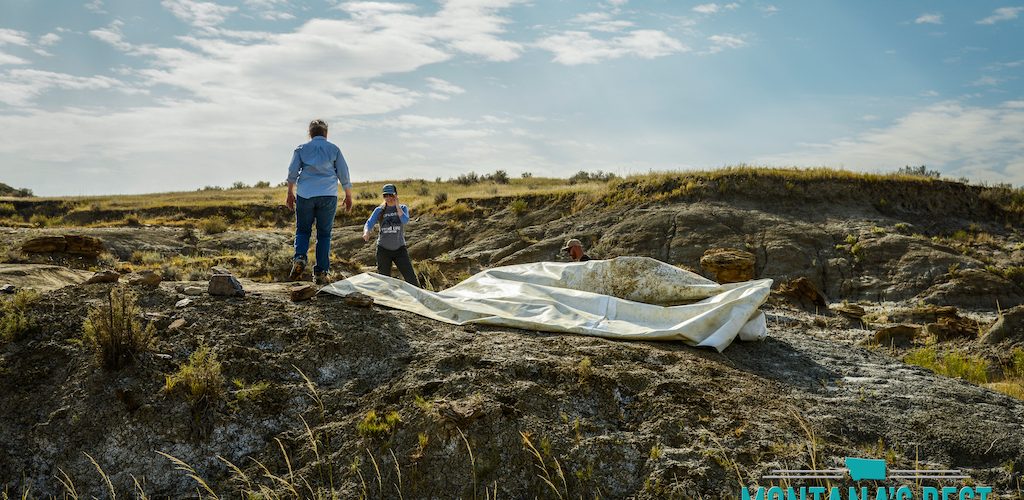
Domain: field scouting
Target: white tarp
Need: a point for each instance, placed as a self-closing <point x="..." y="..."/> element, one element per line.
<point x="633" y="298"/>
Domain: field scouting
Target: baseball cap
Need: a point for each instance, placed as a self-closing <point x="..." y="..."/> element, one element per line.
<point x="571" y="243"/>
<point x="389" y="189"/>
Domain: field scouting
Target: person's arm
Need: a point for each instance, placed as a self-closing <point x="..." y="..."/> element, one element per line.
<point x="370" y="222"/>
<point x="403" y="214"/>
<point x="341" y="170"/>
<point x="293" y="176"/>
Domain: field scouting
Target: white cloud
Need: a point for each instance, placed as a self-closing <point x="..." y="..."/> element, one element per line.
<point x="197" y="13"/>
<point x="13" y="37"/>
<point x="929" y="93"/>
<point x="443" y="89"/>
<point x="95" y="6"/>
<point x="49" y="39"/>
<point x="769" y="10"/>
<point x="1002" y="14"/>
<point x="112" y="35"/>
<point x="986" y="81"/>
<point x="579" y="47"/>
<point x="271" y="10"/>
<point x="11" y="59"/>
<point x="985" y="143"/>
<point x="928" y="19"/>
<point x="714" y="8"/>
<point x="18" y="87"/>
<point x="406" y="122"/>
<point x="722" y="42"/>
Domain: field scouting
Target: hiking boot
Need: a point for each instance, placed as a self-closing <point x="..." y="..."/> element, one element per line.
<point x="322" y="278"/>
<point x="298" y="266"/>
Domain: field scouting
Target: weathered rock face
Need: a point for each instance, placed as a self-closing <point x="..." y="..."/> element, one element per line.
<point x="45" y="244"/>
<point x="225" y="285"/>
<point x="803" y="294"/>
<point x="898" y="336"/>
<point x="975" y="288"/>
<point x="728" y="265"/>
<point x="950" y="328"/>
<point x="85" y="246"/>
<point x="1009" y="326"/>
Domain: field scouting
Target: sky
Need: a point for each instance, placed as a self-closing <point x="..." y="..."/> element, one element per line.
<point x="128" y="96"/>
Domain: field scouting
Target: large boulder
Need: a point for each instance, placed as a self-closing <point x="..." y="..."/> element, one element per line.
<point x="1010" y="325"/>
<point x="897" y="336"/>
<point x="72" y="244"/>
<point x="86" y="246"/>
<point x="45" y="244"/>
<point x="728" y="265"/>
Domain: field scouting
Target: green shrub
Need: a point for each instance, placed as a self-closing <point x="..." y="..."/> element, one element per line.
<point x="7" y="209"/>
<point x="114" y="331"/>
<point x="200" y="378"/>
<point x="214" y="225"/>
<point x="970" y="368"/>
<point x="17" y="321"/>
<point x="40" y="220"/>
<point x="374" y="426"/>
<point x="366" y="194"/>
<point x="518" y="206"/>
<point x="423" y="190"/>
<point x="440" y="198"/>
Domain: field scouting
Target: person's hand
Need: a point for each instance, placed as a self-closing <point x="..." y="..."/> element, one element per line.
<point x="348" y="203"/>
<point x="366" y="236"/>
<point x="289" y="201"/>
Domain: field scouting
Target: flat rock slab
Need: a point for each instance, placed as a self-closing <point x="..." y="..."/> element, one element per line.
<point x="225" y="285"/>
<point x="105" y="276"/>
<point x="41" y="277"/>
<point x="299" y="293"/>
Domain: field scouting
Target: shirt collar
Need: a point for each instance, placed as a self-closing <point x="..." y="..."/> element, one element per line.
<point x="322" y="138"/>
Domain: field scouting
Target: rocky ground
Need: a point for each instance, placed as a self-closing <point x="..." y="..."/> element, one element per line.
<point x="321" y="395"/>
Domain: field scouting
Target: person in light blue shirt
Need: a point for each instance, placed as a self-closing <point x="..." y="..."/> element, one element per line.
<point x="313" y="176"/>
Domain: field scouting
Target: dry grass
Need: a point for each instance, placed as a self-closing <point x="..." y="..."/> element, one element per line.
<point x="114" y="330"/>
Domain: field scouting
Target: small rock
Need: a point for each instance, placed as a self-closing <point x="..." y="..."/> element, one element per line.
<point x="193" y="290"/>
<point x="178" y="323"/>
<point x="949" y="328"/>
<point x="220" y="270"/>
<point x="898" y="336"/>
<point x="358" y="300"/>
<point x="147" y="279"/>
<point x="728" y="265"/>
<point x="182" y="302"/>
<point x="1009" y="324"/>
<point x="104" y="276"/>
<point x="302" y="292"/>
<point x="8" y="288"/>
<point x="225" y="285"/>
<point x="850" y="310"/>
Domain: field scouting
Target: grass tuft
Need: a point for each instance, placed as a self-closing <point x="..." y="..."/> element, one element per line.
<point x="114" y="331"/>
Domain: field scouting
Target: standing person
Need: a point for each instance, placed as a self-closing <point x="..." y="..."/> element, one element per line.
<point x="392" y="216"/>
<point x="575" y="249"/>
<point x="316" y="168"/>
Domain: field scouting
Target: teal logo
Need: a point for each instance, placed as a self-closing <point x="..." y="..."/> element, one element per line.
<point x="864" y="469"/>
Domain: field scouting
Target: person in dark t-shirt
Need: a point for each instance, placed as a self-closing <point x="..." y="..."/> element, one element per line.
<point x="392" y="217"/>
<point x="575" y="249"/>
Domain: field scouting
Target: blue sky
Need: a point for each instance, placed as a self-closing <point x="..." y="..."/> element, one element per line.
<point x="125" y="96"/>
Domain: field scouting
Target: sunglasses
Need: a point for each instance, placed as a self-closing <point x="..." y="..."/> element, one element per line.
<point x="389" y="195"/>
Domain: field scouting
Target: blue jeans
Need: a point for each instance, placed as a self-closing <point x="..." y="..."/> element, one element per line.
<point x="318" y="209"/>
